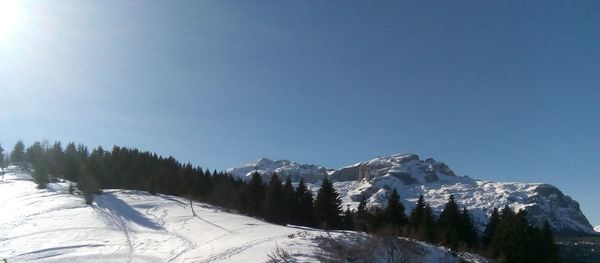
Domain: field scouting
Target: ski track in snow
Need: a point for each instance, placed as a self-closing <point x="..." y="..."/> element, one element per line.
<point x="228" y="253"/>
<point x="122" y="226"/>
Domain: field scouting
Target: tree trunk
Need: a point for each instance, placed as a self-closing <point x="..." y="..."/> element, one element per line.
<point x="192" y="207"/>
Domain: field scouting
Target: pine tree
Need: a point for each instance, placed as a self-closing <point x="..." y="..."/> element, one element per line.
<point x="2" y="157"/>
<point x="40" y="175"/>
<point x="448" y="224"/>
<point x="72" y="162"/>
<point x="35" y="153"/>
<point x="305" y="209"/>
<point x="274" y="201"/>
<point x="17" y="156"/>
<point x="422" y="221"/>
<point x="348" y="219"/>
<point x="362" y="215"/>
<point x="291" y="201"/>
<point x="416" y="215"/>
<point x="88" y="184"/>
<point x="427" y="226"/>
<point x="547" y="245"/>
<point x="254" y="195"/>
<point x="55" y="159"/>
<point x="393" y="213"/>
<point x="467" y="232"/>
<point x="490" y="228"/>
<point x="328" y="206"/>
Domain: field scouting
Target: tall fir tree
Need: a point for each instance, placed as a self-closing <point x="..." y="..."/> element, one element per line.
<point x="468" y="237"/>
<point x="362" y="215"/>
<point x="547" y="246"/>
<point x="87" y="183"/>
<point x="55" y="157"/>
<point x="2" y="157"/>
<point x="274" y="210"/>
<point x="416" y="215"/>
<point x="422" y="221"/>
<point x="17" y="156"/>
<point x="426" y="228"/>
<point x="291" y="202"/>
<point x="328" y="206"/>
<point x="35" y="153"/>
<point x="448" y="224"/>
<point x="348" y="219"/>
<point x="394" y="215"/>
<point x="505" y="238"/>
<point x="490" y="228"/>
<point x="40" y="174"/>
<point x="254" y="195"/>
<point x="72" y="162"/>
<point x="304" y="214"/>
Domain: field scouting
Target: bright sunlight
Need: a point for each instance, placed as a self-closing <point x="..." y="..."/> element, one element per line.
<point x="9" y="16"/>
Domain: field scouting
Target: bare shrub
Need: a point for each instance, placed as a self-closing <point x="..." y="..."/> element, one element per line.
<point x="280" y="255"/>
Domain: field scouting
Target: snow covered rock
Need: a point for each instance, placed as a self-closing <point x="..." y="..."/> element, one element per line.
<point x="284" y="168"/>
<point x="411" y="177"/>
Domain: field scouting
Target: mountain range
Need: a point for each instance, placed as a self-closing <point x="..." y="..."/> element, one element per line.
<point x="411" y="176"/>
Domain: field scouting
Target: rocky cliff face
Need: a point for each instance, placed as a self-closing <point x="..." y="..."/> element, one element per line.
<point x="411" y="177"/>
<point x="284" y="168"/>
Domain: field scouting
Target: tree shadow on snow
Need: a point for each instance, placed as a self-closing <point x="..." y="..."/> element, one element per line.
<point x="111" y="203"/>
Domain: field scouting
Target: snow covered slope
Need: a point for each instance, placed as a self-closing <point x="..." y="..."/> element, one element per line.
<point x="266" y="167"/>
<point x="132" y="226"/>
<point x="412" y="177"/>
<point x="597" y="228"/>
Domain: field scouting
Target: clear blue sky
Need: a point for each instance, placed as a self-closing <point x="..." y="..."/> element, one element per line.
<point x="499" y="90"/>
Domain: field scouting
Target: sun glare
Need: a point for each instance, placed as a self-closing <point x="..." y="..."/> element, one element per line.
<point x="9" y="15"/>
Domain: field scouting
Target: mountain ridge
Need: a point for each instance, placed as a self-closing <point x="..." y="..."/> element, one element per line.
<point x="436" y="181"/>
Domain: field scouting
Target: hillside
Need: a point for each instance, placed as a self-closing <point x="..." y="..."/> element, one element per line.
<point x="412" y="177"/>
<point x="52" y="225"/>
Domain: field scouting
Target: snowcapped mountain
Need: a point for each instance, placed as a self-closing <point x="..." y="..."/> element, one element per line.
<point x="51" y="225"/>
<point x="597" y="228"/>
<point x="411" y="177"/>
<point x="266" y="167"/>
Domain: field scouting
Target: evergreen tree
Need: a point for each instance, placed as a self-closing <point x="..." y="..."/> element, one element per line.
<point x="291" y="201"/>
<point x="467" y="232"/>
<point x="426" y="229"/>
<point x="87" y="183"/>
<point x="448" y="224"/>
<point x="275" y="201"/>
<point x="2" y="157"/>
<point x="328" y="206"/>
<point x="55" y="158"/>
<point x="393" y="213"/>
<point x="348" y="219"/>
<point x="416" y="215"/>
<point x="547" y="245"/>
<point x="305" y="210"/>
<point x="490" y="228"/>
<point x="254" y="195"/>
<point x="35" y="153"/>
<point x="507" y="241"/>
<point x="422" y="221"/>
<point x="362" y="215"/>
<point x="40" y="174"/>
<point x="17" y="156"/>
<point x="72" y="162"/>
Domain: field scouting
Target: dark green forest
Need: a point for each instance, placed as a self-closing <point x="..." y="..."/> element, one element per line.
<point x="508" y="237"/>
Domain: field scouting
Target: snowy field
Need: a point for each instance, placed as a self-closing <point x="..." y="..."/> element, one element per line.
<point x="131" y="226"/>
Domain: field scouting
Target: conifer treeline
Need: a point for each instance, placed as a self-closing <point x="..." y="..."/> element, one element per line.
<point x="508" y="236"/>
